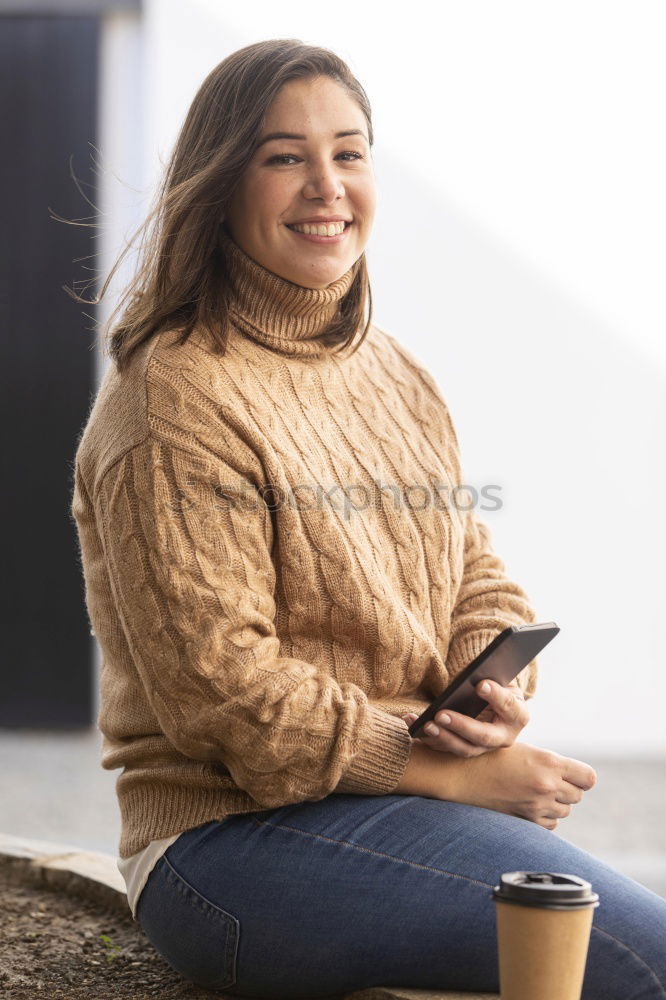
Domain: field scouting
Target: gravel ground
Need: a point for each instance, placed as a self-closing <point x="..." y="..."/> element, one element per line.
<point x="60" y="946"/>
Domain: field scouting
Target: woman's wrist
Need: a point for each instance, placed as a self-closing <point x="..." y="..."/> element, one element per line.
<point x="431" y="773"/>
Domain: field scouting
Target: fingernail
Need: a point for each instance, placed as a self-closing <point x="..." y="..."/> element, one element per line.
<point x="431" y="728"/>
<point x="444" y="719"/>
<point x="485" y="688"/>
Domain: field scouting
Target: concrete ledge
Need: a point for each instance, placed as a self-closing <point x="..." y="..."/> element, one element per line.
<point x="89" y="874"/>
<point x="95" y="876"/>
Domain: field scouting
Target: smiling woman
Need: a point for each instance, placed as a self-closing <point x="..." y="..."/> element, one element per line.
<point x="282" y="834"/>
<point x="279" y="133"/>
<point x="320" y="180"/>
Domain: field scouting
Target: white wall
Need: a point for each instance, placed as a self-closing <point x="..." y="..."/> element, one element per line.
<point x="121" y="158"/>
<point x="519" y="253"/>
<point x="120" y="164"/>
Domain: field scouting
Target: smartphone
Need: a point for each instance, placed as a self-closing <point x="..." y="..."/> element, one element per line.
<point x="501" y="660"/>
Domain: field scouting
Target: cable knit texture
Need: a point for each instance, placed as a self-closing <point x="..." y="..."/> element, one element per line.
<point x="274" y="567"/>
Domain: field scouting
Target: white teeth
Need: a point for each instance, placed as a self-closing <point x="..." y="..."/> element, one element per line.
<point x="331" y="229"/>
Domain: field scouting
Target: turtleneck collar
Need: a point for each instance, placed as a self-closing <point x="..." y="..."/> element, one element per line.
<point x="274" y="311"/>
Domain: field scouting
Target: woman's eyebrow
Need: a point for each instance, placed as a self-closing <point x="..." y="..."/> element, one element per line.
<point x="293" y="135"/>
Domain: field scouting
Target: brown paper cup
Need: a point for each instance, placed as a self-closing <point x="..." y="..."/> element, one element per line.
<point x="543" y="933"/>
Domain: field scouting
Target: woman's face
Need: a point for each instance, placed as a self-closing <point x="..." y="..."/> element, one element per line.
<point x="318" y="176"/>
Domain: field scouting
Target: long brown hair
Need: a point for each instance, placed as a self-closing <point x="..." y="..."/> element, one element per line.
<point x="180" y="282"/>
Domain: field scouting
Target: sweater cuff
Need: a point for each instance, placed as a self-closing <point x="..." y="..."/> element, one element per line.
<point x="379" y="765"/>
<point x="469" y="648"/>
<point x="466" y="649"/>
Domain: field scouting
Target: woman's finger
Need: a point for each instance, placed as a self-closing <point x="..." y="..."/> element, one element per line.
<point x="510" y="710"/>
<point x="448" y="742"/>
<point x="508" y="702"/>
<point x="489" y="735"/>
<point x="570" y="793"/>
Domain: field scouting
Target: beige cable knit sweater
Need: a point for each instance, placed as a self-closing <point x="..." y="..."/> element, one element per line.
<point x="274" y="569"/>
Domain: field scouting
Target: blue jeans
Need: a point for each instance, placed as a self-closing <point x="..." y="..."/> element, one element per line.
<point x="322" y="898"/>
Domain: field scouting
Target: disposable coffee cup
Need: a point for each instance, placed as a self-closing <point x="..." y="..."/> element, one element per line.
<point x="544" y="921"/>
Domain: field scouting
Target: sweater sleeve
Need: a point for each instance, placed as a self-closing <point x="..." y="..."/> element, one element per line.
<point x="486" y="603"/>
<point x="486" y="600"/>
<point x="189" y="560"/>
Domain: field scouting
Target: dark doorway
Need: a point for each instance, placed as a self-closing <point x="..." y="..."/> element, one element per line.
<point x="48" y="110"/>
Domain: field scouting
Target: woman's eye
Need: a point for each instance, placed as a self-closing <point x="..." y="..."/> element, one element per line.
<point x="282" y="157"/>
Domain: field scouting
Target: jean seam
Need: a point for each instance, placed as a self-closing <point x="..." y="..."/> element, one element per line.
<point x="231" y="948"/>
<point x="371" y="850"/>
<point x="631" y="951"/>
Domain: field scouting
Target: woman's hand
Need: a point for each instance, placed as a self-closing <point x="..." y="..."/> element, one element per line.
<point x="497" y="726"/>
<point x="522" y="780"/>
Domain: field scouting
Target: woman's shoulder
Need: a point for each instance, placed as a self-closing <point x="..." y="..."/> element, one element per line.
<point x="198" y="362"/>
<point x="169" y="390"/>
<point x="402" y="363"/>
<point x="193" y="374"/>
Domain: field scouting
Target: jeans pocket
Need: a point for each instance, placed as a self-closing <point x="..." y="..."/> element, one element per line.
<point x="196" y="937"/>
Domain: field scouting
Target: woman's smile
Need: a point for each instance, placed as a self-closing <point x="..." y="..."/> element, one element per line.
<point x="315" y="235"/>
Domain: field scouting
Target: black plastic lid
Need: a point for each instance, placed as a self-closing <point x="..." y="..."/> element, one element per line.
<point x="549" y="890"/>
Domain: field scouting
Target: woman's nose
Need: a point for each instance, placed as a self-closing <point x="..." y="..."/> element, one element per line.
<point x="323" y="180"/>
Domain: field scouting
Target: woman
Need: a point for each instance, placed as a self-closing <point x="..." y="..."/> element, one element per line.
<point x="278" y="588"/>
